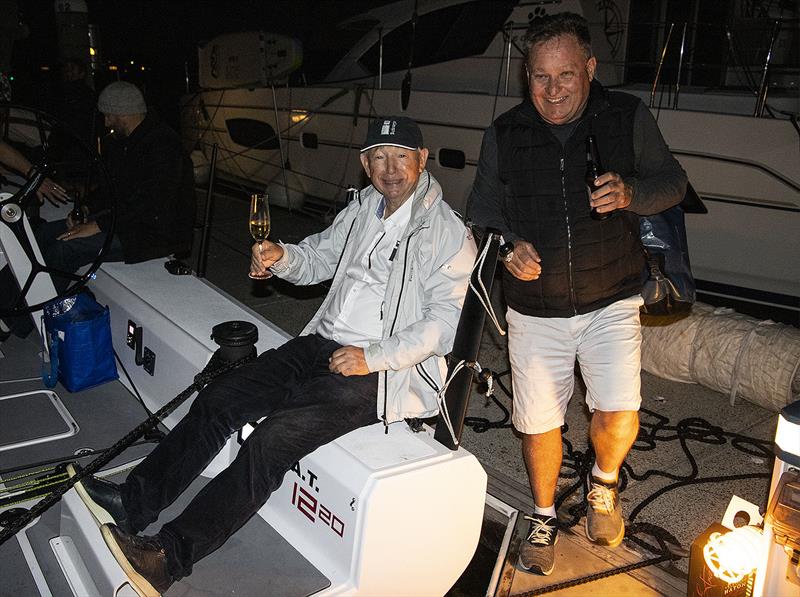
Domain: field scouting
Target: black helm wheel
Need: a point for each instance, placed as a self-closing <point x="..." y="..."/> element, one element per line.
<point x="12" y="216"/>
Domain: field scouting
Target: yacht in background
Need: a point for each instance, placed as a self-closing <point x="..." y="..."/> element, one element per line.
<point x="722" y="83"/>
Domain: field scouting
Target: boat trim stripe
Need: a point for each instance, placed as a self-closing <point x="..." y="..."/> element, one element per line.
<point x="749" y="294"/>
<point x="751" y="204"/>
<point x="697" y="154"/>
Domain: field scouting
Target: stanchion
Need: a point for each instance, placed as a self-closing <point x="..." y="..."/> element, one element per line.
<point x="467" y="344"/>
<point x="202" y="257"/>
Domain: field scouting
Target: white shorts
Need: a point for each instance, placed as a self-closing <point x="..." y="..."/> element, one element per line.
<point x="542" y="350"/>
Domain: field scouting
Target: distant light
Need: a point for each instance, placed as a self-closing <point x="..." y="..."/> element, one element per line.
<point x="142" y="68"/>
<point x="11" y="77"/>
<point x="298" y="116"/>
<point x="112" y="67"/>
<point x="45" y="68"/>
<point x="131" y="62"/>
<point x="92" y="52"/>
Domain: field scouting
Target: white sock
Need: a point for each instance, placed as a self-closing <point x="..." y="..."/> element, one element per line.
<point x="549" y="511"/>
<point x="603" y="475"/>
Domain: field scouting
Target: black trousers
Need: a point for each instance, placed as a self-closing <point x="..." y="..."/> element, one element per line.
<point x="69" y="255"/>
<point x="306" y="406"/>
<point x="65" y="255"/>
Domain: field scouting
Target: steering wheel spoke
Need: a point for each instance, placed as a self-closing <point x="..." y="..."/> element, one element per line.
<point x="13" y="217"/>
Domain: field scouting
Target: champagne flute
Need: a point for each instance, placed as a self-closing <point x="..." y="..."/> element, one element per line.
<point x="259" y="225"/>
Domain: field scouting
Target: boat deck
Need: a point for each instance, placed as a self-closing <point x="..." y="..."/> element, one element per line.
<point x="99" y="417"/>
<point x="686" y="424"/>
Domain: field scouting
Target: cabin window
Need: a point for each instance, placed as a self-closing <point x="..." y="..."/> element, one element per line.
<point x="328" y="50"/>
<point x="251" y="133"/>
<point x="309" y="140"/>
<point x="446" y="34"/>
<point x="451" y="158"/>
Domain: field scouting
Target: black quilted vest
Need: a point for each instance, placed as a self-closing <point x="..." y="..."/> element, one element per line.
<point x="586" y="264"/>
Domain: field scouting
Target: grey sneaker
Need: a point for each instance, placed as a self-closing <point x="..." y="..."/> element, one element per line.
<point x="604" y="524"/>
<point x="537" y="551"/>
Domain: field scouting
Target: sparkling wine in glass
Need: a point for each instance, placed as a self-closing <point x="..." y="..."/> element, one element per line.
<point x="259" y="225"/>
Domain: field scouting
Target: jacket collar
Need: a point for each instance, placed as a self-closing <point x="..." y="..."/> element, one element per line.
<point x="141" y="131"/>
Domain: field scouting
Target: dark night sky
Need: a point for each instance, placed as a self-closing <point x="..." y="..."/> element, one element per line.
<point x="164" y="35"/>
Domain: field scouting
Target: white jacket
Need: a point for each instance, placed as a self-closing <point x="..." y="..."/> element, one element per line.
<point x="423" y="300"/>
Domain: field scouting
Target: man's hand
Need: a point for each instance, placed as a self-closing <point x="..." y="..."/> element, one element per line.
<point x="81" y="231"/>
<point x="54" y="193"/>
<point x="612" y="193"/>
<point x="348" y="360"/>
<point x="525" y="261"/>
<point x="263" y="256"/>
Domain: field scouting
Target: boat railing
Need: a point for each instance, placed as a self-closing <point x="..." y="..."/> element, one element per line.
<point x="763" y="87"/>
<point x="712" y="55"/>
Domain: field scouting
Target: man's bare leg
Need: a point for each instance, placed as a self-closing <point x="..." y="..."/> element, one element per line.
<point x="612" y="435"/>
<point x="542" y="454"/>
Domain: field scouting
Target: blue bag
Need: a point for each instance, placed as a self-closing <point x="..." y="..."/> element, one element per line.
<point x="78" y="336"/>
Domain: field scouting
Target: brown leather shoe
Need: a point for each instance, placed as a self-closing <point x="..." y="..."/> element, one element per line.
<point x="141" y="558"/>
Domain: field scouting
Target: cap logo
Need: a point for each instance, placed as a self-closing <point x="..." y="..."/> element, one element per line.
<point x="393" y="130"/>
<point x="388" y="127"/>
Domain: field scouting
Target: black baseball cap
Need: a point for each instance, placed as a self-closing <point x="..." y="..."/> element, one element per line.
<point x="399" y="131"/>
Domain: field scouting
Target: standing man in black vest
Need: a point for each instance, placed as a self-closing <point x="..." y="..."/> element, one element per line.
<point x="572" y="282"/>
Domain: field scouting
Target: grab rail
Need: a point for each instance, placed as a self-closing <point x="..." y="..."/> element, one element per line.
<point x="766" y="169"/>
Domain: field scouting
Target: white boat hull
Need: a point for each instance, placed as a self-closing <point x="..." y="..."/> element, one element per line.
<point x="746" y="169"/>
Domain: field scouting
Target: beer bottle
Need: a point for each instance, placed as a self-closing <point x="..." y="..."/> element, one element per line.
<point x="593" y="170"/>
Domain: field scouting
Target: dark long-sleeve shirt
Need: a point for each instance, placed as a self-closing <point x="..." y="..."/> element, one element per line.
<point x="659" y="177"/>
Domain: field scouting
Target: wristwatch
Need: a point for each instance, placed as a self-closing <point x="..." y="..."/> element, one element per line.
<point x="506" y="252"/>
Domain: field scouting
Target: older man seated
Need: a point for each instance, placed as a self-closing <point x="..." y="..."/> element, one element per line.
<point x="399" y="259"/>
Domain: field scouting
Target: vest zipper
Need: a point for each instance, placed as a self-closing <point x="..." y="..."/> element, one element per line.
<point x="569" y="237"/>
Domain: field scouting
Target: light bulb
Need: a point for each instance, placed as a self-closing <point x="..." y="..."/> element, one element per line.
<point x="733" y="555"/>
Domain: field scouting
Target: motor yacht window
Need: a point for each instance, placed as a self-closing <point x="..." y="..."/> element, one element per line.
<point x="309" y="140"/>
<point x="251" y="133"/>
<point x="726" y="45"/>
<point x="446" y="34"/>
<point x="324" y="52"/>
<point x="451" y="158"/>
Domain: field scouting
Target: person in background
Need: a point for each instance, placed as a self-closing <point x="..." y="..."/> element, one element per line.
<point x="572" y="282"/>
<point x="150" y="182"/>
<point x="399" y="261"/>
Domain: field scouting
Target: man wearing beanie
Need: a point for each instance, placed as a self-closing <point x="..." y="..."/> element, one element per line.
<point x="151" y="184"/>
<point x="399" y="260"/>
